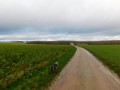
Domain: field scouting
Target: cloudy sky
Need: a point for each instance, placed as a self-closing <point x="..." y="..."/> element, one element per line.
<point x="59" y="20"/>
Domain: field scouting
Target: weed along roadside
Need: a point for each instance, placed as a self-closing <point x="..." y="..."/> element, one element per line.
<point x="27" y="67"/>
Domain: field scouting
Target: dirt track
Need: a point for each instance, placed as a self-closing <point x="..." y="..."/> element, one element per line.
<point x="85" y="72"/>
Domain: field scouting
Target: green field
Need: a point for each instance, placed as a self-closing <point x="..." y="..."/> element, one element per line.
<point x="27" y="67"/>
<point x="108" y="54"/>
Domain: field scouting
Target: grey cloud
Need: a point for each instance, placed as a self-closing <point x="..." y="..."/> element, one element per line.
<point x="87" y="13"/>
<point x="59" y="19"/>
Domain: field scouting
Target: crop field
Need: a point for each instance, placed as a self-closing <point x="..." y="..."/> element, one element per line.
<point x="27" y="67"/>
<point x="108" y="54"/>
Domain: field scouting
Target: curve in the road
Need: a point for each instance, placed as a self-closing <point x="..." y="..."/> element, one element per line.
<point x="85" y="72"/>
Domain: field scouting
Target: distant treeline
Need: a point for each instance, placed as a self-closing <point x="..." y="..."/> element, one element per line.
<point x="49" y="42"/>
<point x="99" y="42"/>
<point x="75" y="42"/>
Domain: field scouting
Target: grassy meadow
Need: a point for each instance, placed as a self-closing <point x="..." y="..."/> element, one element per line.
<point x="108" y="54"/>
<point x="27" y="66"/>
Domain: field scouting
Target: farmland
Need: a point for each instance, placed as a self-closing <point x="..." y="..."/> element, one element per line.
<point x="25" y="67"/>
<point x="108" y="54"/>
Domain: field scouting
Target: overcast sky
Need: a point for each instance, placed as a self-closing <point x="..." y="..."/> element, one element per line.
<point x="59" y="20"/>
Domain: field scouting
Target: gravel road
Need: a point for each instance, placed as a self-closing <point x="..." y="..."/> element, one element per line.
<point x="85" y="72"/>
